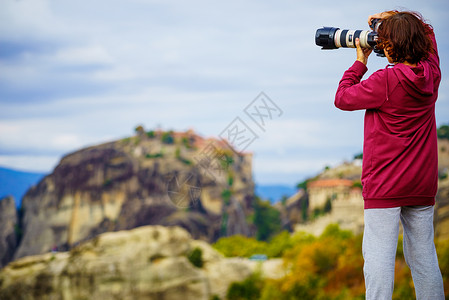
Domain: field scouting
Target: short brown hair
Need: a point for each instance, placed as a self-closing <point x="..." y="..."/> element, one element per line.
<point x="405" y="36"/>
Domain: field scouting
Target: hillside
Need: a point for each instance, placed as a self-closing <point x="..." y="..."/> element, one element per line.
<point x="78" y="227"/>
<point x="150" y="262"/>
<point x="152" y="178"/>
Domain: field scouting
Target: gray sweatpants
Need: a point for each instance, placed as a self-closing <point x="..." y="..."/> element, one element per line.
<point x="380" y="240"/>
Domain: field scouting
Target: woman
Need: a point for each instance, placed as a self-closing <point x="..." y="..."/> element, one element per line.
<point x="400" y="163"/>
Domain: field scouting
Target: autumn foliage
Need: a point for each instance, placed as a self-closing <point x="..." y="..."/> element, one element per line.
<point x="326" y="267"/>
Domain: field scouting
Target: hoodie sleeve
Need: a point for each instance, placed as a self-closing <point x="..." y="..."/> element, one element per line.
<point x="354" y="94"/>
<point x="434" y="59"/>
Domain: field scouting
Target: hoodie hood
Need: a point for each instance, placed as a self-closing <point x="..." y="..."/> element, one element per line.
<point x="417" y="81"/>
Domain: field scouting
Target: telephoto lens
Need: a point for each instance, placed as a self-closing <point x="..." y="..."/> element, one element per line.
<point x="334" y="38"/>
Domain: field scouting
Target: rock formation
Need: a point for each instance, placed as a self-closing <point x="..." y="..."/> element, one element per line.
<point x="8" y="229"/>
<point x="153" y="178"/>
<point x="149" y="262"/>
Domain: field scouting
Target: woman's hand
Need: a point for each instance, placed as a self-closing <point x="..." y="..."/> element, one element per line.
<point x="381" y="15"/>
<point x="362" y="53"/>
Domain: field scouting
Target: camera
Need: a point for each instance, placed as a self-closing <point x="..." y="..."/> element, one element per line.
<point x="334" y="38"/>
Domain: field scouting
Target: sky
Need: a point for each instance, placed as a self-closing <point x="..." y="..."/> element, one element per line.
<point x="81" y="73"/>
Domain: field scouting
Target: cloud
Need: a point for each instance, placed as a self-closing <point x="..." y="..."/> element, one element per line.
<point x="78" y="73"/>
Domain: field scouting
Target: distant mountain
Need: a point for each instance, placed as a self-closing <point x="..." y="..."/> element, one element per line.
<point x="16" y="183"/>
<point x="274" y="193"/>
<point x="151" y="178"/>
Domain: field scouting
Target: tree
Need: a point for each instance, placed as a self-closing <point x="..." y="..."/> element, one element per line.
<point x="359" y="156"/>
<point x="241" y="246"/>
<point x="151" y="134"/>
<point x="267" y="219"/>
<point x="443" y="132"/>
<point x="168" y="138"/>
<point x="303" y="185"/>
<point x="327" y="206"/>
<point x="279" y="243"/>
<point x="249" y="289"/>
<point x="326" y="267"/>
<point x="139" y="129"/>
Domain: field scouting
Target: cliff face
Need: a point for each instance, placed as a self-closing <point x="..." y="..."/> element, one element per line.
<point x="8" y="229"/>
<point x="149" y="179"/>
<point x="150" y="262"/>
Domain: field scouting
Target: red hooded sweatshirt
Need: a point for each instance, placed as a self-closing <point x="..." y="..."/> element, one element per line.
<point x="400" y="155"/>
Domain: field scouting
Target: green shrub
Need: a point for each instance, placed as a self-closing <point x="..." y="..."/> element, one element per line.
<point x="224" y="223"/>
<point x="230" y="179"/>
<point x="267" y="219"/>
<point x="279" y="243"/>
<point x="187" y="142"/>
<point x="180" y="158"/>
<point x="358" y="156"/>
<point x="303" y="184"/>
<point x="248" y="289"/>
<point x="151" y="134"/>
<point x="226" y="160"/>
<point x="357" y="184"/>
<point x="126" y="140"/>
<point x="226" y="195"/>
<point x="139" y="129"/>
<point x="185" y="161"/>
<point x="329" y="266"/>
<point x="305" y="210"/>
<point x="443" y="132"/>
<point x="168" y="138"/>
<point x="240" y="246"/>
<point x="155" y="155"/>
<point x="327" y="206"/>
<point x="196" y="257"/>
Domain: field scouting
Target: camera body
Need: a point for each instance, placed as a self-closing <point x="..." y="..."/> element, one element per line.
<point x="334" y="38"/>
